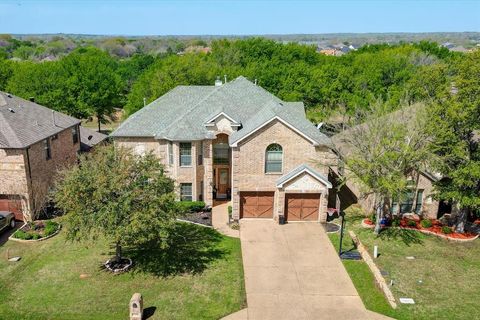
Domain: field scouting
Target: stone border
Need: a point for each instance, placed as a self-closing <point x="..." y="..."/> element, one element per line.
<point x="118" y="271"/>
<point x="373" y="267"/>
<point x="439" y="235"/>
<point x="196" y="223"/>
<point x="32" y="240"/>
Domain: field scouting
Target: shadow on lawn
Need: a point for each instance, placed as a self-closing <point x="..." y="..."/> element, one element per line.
<point x="407" y="236"/>
<point x="191" y="249"/>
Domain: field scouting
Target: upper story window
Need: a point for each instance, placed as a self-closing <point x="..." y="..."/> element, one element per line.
<point x="185" y="154"/>
<point x="221" y="153"/>
<point x="200" y="153"/>
<point x="48" y="150"/>
<point x="75" y="134"/>
<point x="273" y="158"/>
<point x="170" y="152"/>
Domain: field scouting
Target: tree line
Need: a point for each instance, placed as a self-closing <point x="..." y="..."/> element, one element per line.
<point x="91" y="82"/>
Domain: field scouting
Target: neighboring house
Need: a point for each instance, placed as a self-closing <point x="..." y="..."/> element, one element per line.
<point x="34" y="143"/>
<point x="236" y="140"/>
<point x="420" y="198"/>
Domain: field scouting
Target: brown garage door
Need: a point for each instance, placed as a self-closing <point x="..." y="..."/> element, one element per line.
<point x="256" y="204"/>
<point x="302" y="206"/>
<point x="13" y="206"/>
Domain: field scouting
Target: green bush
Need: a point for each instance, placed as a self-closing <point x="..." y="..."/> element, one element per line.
<point x="446" y="230"/>
<point x="20" y="234"/>
<point x="426" y="223"/>
<point x="396" y="222"/>
<point x="230" y="211"/>
<point x="373" y="218"/>
<point x="50" y="228"/>
<point x="190" y="206"/>
<point x="411" y="223"/>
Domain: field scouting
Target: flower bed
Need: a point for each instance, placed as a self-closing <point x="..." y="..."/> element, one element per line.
<point x="204" y="218"/>
<point x="36" y="231"/>
<point x="436" y="228"/>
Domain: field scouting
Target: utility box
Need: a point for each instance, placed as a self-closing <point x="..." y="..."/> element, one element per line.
<point x="281" y="219"/>
<point x="136" y="307"/>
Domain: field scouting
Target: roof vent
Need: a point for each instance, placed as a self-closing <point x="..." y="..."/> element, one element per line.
<point x="218" y="82"/>
<point x="9" y="95"/>
<point x="11" y="110"/>
<point x="90" y="137"/>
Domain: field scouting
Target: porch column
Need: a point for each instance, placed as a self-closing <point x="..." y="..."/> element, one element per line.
<point x="208" y="167"/>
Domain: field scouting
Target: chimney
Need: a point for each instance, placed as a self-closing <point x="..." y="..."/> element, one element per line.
<point x="255" y="81"/>
<point x="53" y="118"/>
<point x="225" y="76"/>
<point x="218" y="82"/>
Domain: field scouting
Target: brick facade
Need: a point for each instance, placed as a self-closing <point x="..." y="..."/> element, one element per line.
<point x="28" y="174"/>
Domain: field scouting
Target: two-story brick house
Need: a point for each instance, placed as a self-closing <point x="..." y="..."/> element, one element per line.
<point x="34" y="143"/>
<point x="236" y="140"/>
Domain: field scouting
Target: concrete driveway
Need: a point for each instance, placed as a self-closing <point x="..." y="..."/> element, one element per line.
<point x="293" y="272"/>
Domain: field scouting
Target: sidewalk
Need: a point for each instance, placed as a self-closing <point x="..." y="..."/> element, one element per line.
<point x="220" y="220"/>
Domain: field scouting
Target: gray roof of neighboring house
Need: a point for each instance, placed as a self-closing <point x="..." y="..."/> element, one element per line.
<point x="89" y="138"/>
<point x="23" y="123"/>
<point x="181" y="113"/>
<point x="298" y="170"/>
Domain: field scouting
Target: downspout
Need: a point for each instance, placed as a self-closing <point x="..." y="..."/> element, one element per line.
<point x="29" y="185"/>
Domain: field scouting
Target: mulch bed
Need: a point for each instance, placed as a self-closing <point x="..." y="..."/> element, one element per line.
<point x="204" y="218"/>
<point x="436" y="229"/>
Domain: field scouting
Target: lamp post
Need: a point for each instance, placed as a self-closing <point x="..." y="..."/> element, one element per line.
<point x="342" y="225"/>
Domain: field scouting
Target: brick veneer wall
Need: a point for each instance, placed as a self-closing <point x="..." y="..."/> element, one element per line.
<point x="27" y="173"/>
<point x="249" y="161"/>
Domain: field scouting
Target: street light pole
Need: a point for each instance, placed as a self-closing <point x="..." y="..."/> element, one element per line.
<point x="342" y="214"/>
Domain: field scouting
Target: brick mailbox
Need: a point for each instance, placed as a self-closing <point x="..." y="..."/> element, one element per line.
<point x="136" y="307"/>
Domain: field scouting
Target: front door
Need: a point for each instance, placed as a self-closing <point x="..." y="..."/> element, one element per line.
<point x="223" y="181"/>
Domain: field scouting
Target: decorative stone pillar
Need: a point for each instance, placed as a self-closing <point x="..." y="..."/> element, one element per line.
<point x="208" y="167"/>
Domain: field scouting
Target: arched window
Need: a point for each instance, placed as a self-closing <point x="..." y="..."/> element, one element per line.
<point x="273" y="158"/>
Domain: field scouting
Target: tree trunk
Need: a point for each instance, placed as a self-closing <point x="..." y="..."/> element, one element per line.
<point x="98" y="121"/>
<point x="461" y="220"/>
<point x="379" y="216"/>
<point x="118" y="251"/>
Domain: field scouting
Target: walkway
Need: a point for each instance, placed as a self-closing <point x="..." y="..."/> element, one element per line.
<point x="293" y="272"/>
<point x="220" y="219"/>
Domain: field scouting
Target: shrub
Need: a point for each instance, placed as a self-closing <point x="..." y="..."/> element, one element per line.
<point x="411" y="223"/>
<point x="20" y="234"/>
<point x="446" y="230"/>
<point x="50" y="228"/>
<point x="190" y="206"/>
<point x="373" y="218"/>
<point x="396" y="222"/>
<point x="426" y="223"/>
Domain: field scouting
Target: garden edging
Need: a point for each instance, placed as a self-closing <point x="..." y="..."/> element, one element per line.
<point x="442" y="236"/>
<point x="376" y="272"/>
<point x="32" y="240"/>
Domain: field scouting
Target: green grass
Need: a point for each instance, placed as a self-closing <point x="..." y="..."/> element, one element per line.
<point x="443" y="279"/>
<point x="203" y="281"/>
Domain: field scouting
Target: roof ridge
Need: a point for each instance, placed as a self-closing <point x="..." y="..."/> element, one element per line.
<point x="190" y="109"/>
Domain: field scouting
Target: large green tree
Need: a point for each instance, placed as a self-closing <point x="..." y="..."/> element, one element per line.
<point x="126" y="198"/>
<point x="455" y="130"/>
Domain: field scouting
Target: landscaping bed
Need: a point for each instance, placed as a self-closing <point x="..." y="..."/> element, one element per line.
<point x="36" y="231"/>
<point x="426" y="226"/>
<point x="202" y="217"/>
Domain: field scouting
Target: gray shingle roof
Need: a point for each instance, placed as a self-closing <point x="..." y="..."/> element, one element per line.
<point x="23" y="123"/>
<point x="89" y="138"/>
<point x="300" y="169"/>
<point x="181" y="113"/>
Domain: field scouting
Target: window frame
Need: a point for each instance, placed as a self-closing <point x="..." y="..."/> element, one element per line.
<point x="170" y="153"/>
<point x="183" y="196"/>
<point x="189" y="156"/>
<point x="419" y="204"/>
<point x="75" y="134"/>
<point x="47" y="148"/>
<point x="268" y="161"/>
<point x="225" y="147"/>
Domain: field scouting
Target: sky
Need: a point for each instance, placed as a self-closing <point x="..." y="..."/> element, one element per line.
<point x="236" y="17"/>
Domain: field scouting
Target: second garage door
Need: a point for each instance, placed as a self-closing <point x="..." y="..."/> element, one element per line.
<point x="256" y="204"/>
<point x="302" y="206"/>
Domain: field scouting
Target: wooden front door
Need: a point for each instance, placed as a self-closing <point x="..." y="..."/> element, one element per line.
<point x="223" y="180"/>
<point x="256" y="204"/>
<point x="302" y="206"/>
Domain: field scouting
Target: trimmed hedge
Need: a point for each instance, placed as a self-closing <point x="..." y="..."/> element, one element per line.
<point x="190" y="206"/>
<point x="426" y="223"/>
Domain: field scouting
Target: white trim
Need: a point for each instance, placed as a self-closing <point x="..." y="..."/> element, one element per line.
<point x="235" y="144"/>
<point x="325" y="182"/>
<point x="209" y="122"/>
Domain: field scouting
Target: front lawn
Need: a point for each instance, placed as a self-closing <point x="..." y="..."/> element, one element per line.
<point x="200" y="277"/>
<point x="443" y="279"/>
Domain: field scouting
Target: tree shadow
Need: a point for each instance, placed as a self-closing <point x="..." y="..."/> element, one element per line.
<point x="407" y="236"/>
<point x="191" y="248"/>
